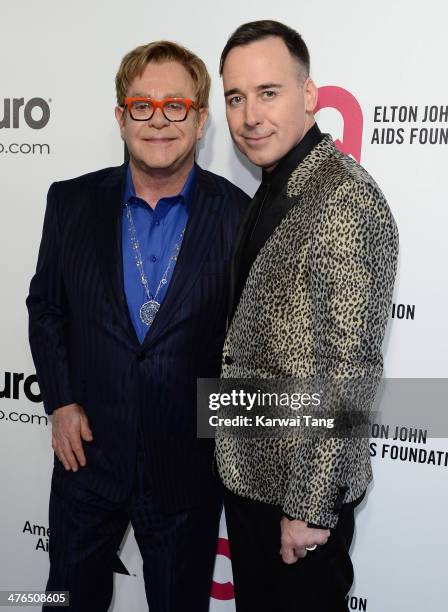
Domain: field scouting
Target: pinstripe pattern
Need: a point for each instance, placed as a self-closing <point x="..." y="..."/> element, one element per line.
<point x="86" y="351"/>
<point x="177" y="549"/>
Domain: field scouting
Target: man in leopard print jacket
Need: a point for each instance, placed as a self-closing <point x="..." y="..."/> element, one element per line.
<point x="313" y="273"/>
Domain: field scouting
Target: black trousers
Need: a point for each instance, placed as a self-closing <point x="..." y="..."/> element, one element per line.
<point x="178" y="550"/>
<point x="264" y="583"/>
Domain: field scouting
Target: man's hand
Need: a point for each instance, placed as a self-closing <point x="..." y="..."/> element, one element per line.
<point x="296" y="536"/>
<point x="70" y="427"/>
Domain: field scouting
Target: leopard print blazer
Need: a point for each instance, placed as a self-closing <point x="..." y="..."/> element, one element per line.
<point x="316" y="303"/>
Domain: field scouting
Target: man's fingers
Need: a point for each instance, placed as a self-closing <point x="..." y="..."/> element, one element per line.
<point x="58" y="452"/>
<point x="300" y="552"/>
<point x="290" y="555"/>
<point x="319" y="537"/>
<point x="75" y="443"/>
<point x="79" y="453"/>
<point x="86" y="432"/>
<point x="67" y="458"/>
<point x="297" y="537"/>
<point x="69" y="455"/>
<point x="60" y="455"/>
<point x="70" y="428"/>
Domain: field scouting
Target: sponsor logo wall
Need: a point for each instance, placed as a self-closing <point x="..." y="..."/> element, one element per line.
<point x="18" y="113"/>
<point x="383" y="95"/>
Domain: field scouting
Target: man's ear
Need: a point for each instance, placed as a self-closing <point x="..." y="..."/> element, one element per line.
<point x="311" y="95"/>
<point x="202" y="120"/>
<point x="120" y="116"/>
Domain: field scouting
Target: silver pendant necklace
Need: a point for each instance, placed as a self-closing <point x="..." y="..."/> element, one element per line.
<point x="148" y="309"/>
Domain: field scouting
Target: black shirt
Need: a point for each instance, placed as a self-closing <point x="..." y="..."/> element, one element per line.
<point x="267" y="209"/>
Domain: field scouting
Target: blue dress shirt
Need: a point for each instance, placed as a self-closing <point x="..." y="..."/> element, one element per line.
<point x="158" y="232"/>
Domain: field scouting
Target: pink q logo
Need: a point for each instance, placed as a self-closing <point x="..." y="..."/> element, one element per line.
<point x="222" y="591"/>
<point x="343" y="101"/>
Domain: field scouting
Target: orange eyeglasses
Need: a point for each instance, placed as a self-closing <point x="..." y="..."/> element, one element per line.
<point x="173" y="109"/>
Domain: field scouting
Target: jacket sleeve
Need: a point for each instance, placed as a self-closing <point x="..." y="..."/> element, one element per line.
<point x="48" y="310"/>
<point x="352" y="271"/>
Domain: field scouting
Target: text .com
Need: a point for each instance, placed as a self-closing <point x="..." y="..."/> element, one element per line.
<point x="25" y="148"/>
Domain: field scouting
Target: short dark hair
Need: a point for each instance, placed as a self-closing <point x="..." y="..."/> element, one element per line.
<point x="257" y="30"/>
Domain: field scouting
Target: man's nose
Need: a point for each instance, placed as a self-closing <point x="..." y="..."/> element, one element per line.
<point x="158" y="119"/>
<point x="252" y="116"/>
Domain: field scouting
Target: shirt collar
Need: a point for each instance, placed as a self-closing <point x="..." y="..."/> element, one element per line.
<point x="185" y="195"/>
<point x="279" y="176"/>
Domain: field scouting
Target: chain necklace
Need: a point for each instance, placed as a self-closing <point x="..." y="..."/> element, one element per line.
<point x="149" y="309"/>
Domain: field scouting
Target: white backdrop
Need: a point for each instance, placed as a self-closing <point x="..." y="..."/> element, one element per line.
<point x="61" y="58"/>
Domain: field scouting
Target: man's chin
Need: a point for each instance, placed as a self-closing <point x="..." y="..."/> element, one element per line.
<point x="156" y="164"/>
<point x="258" y="158"/>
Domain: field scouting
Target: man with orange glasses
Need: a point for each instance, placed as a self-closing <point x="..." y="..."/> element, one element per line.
<point x="127" y="309"/>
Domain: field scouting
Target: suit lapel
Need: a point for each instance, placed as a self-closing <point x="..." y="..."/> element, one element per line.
<point x="241" y="236"/>
<point x="205" y="212"/>
<point x="108" y="226"/>
<point x="295" y="184"/>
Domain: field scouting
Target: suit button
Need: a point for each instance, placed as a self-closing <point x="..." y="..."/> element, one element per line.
<point x="140" y="356"/>
<point x="228" y="360"/>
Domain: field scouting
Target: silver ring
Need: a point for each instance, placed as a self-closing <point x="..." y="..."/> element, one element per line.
<point x="310" y="548"/>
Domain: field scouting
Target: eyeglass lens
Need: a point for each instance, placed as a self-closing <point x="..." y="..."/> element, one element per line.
<point x="173" y="110"/>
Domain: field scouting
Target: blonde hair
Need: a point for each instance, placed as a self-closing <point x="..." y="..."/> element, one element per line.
<point x="134" y="63"/>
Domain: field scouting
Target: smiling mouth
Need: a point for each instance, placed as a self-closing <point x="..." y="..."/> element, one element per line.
<point x="256" y="139"/>
<point x="159" y="140"/>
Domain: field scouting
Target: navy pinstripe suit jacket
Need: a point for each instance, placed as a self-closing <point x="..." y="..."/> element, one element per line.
<point x="86" y="351"/>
